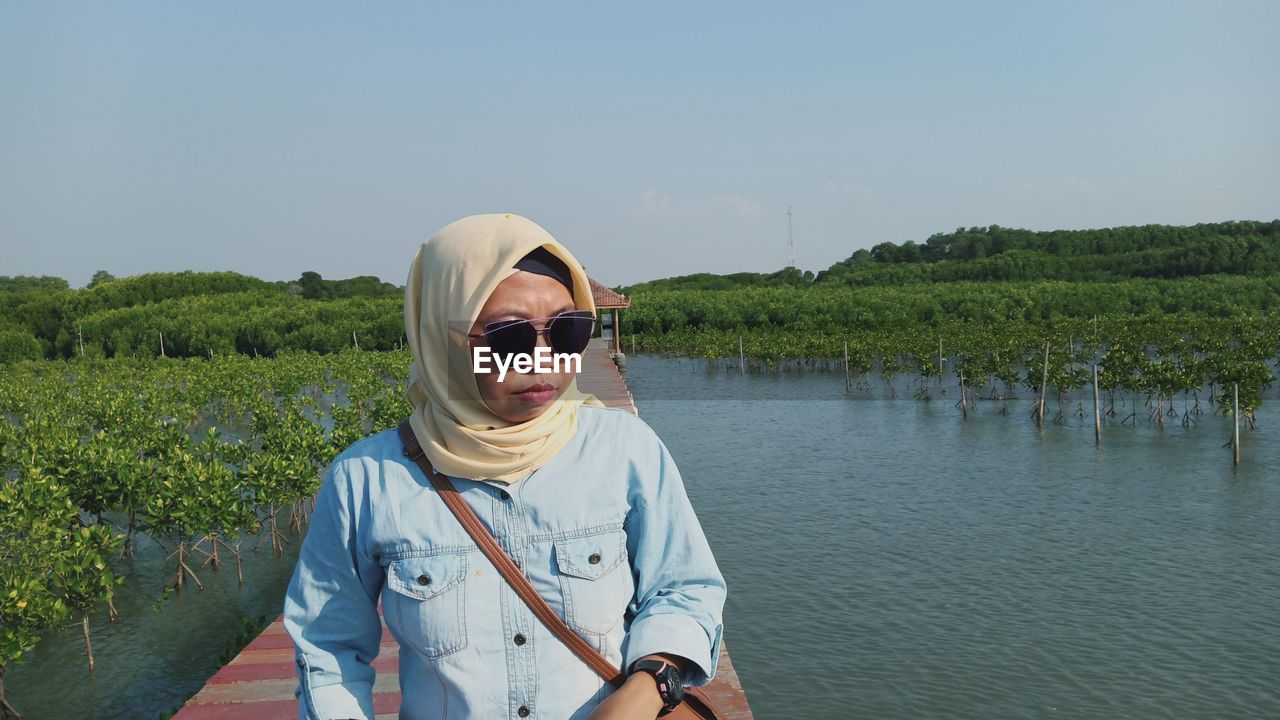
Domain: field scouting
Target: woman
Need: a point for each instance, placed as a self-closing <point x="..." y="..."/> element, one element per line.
<point x="585" y="499"/>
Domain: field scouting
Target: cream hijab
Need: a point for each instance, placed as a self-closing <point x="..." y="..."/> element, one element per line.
<point x="452" y="276"/>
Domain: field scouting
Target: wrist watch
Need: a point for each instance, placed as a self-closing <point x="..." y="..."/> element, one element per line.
<point x="670" y="684"/>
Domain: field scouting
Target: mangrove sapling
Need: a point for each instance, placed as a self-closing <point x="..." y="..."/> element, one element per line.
<point x="183" y="567"/>
<point x="1133" y="415"/>
<point x="921" y="391"/>
<point x="86" y="580"/>
<point x="277" y="538"/>
<point x="54" y="567"/>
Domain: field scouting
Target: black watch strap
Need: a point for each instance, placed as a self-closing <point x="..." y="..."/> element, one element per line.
<point x="667" y="676"/>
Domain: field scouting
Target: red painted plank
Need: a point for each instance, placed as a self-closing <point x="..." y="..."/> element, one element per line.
<point x="271" y="710"/>
<point x="281" y="639"/>
<point x="385" y="662"/>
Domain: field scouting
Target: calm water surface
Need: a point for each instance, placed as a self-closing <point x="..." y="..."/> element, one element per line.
<point x="885" y="559"/>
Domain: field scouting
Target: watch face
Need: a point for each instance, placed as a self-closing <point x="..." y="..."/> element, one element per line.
<point x="667" y="676"/>
<point x="670" y="685"/>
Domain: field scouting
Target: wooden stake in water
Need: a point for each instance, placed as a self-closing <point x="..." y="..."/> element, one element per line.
<point x="88" y="646"/>
<point x="1235" y="419"/>
<point x="846" y="367"/>
<point x="964" y="401"/>
<point x="740" y="356"/>
<point x="1097" y="412"/>
<point x="939" y="361"/>
<point x="1044" y="386"/>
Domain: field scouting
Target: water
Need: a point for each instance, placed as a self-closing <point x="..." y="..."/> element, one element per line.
<point x="885" y="559"/>
<point x="148" y="663"/>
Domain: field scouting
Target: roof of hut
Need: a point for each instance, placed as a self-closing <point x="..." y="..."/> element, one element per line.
<point x="606" y="298"/>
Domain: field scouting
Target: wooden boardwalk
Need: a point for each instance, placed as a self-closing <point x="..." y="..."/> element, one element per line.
<point x="258" y="684"/>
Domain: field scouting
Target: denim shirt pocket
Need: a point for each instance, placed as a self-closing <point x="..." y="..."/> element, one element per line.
<point x="428" y="598"/>
<point x="595" y="580"/>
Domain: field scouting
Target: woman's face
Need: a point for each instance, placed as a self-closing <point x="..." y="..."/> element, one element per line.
<point x="522" y="295"/>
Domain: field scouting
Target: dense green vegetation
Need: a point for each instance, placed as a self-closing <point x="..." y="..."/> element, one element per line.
<point x="983" y="275"/>
<point x="195" y="454"/>
<point x="1203" y="300"/>
<point x="996" y="253"/>
<point x="196" y="314"/>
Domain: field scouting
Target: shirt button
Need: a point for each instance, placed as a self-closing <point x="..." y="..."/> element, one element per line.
<point x="523" y="711"/>
<point x="504" y="494"/>
<point x="594" y="559"/>
<point x="301" y="664"/>
<point x="519" y="639"/>
<point x="424" y="579"/>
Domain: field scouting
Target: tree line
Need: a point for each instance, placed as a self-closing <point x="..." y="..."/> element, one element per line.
<point x="998" y="253"/>
<point x="989" y="274"/>
<point x="194" y="313"/>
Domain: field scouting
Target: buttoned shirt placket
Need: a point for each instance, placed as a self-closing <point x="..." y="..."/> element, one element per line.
<point x="511" y="531"/>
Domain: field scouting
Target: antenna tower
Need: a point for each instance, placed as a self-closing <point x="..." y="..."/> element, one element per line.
<point x="791" y="242"/>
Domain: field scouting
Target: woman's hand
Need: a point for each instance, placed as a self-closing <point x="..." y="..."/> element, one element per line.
<point x="637" y="699"/>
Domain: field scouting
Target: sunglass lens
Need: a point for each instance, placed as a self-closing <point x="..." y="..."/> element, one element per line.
<point x="571" y="333"/>
<point x="511" y="339"/>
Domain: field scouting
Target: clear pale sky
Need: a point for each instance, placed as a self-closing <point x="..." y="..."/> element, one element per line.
<point x="653" y="139"/>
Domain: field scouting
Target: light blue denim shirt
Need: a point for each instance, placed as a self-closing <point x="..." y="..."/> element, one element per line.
<point x="604" y="532"/>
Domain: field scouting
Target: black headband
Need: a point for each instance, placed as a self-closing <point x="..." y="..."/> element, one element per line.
<point x="541" y="261"/>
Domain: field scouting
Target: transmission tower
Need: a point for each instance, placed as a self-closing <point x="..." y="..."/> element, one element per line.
<point x="791" y="242"/>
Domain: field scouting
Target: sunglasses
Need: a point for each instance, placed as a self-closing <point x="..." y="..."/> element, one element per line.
<point x="568" y="332"/>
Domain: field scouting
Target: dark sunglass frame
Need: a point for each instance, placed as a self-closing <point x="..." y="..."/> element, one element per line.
<point x="520" y="336"/>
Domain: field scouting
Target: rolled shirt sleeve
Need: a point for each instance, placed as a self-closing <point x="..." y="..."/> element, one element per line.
<point x="680" y="592"/>
<point x="330" y="608"/>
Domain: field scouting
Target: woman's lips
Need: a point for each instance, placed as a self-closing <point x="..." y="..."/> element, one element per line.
<point x="538" y="393"/>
